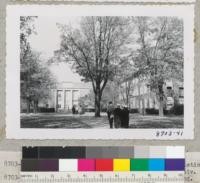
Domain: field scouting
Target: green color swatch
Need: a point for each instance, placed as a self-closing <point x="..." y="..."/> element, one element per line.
<point x="139" y="164"/>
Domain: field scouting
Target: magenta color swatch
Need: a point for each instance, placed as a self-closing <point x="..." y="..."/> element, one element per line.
<point x="86" y="165"/>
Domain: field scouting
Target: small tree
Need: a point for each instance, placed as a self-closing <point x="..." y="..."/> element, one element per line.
<point x="35" y="78"/>
<point x="124" y="79"/>
<point x="94" y="50"/>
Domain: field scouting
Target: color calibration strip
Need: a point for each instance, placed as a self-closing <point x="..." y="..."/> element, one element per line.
<point x="78" y="159"/>
<point x="103" y="165"/>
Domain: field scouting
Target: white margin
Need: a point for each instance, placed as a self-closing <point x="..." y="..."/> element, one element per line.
<point x="119" y="1"/>
<point x="13" y="130"/>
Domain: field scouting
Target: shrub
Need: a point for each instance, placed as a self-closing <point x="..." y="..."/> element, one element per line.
<point x="134" y="110"/>
<point x="178" y="109"/>
<point x="152" y="111"/>
<point x="45" y="110"/>
<point x="89" y="110"/>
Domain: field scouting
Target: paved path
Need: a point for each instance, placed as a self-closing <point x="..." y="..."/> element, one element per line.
<point x="56" y="120"/>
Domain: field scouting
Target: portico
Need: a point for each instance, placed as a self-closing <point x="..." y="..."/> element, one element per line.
<point x="68" y="94"/>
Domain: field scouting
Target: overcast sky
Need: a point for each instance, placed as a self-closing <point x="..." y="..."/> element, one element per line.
<point x="47" y="41"/>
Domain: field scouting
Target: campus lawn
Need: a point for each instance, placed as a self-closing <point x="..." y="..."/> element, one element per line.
<point x="57" y="120"/>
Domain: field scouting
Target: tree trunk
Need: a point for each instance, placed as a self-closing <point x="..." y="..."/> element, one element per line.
<point x="35" y="106"/>
<point x="143" y="106"/>
<point x="28" y="106"/>
<point x="98" y="102"/>
<point x="161" y="98"/>
<point x="128" y="99"/>
<point x="161" y="106"/>
<point x="139" y="100"/>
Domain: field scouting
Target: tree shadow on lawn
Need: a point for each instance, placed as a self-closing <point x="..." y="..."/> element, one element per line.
<point x="153" y="121"/>
<point x="86" y="121"/>
<point x="62" y="121"/>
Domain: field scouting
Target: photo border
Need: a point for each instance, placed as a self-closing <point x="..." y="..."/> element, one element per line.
<point x="13" y="130"/>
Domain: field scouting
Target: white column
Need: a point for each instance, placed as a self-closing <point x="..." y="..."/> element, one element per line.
<point x="71" y="101"/>
<point x="55" y="99"/>
<point x="63" y="99"/>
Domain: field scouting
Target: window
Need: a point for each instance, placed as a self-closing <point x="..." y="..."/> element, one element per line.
<point x="169" y="91"/>
<point x="181" y="92"/>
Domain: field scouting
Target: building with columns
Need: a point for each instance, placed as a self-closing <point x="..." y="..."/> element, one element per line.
<point x="69" y="88"/>
<point x="65" y="95"/>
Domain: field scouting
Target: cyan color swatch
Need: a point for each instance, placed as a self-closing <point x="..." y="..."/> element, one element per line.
<point x="156" y="164"/>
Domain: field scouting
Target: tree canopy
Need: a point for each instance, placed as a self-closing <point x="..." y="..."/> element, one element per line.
<point x="95" y="48"/>
<point x="160" y="54"/>
<point x="35" y="78"/>
<point x="120" y="49"/>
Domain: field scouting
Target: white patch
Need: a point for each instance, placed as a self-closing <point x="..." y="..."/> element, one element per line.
<point x="68" y="165"/>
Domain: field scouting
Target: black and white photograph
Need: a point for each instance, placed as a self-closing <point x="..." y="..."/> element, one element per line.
<point x="102" y="71"/>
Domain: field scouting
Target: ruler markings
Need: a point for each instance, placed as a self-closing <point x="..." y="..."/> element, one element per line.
<point x="127" y="177"/>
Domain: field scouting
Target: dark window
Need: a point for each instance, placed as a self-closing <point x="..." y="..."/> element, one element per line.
<point x="169" y="91"/>
<point x="181" y="92"/>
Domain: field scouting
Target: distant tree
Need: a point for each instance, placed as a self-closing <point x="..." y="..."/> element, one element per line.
<point x="27" y="28"/>
<point x="124" y="77"/>
<point x="35" y="78"/>
<point x="160" y="54"/>
<point x="87" y="100"/>
<point x="111" y="93"/>
<point x="94" y="49"/>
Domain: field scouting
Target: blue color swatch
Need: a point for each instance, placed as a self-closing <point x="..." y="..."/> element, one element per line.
<point x="156" y="164"/>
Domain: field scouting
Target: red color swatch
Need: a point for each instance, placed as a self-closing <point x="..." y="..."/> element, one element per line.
<point x="104" y="164"/>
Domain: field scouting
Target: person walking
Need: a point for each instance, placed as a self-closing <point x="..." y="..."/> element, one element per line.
<point x="117" y="116"/>
<point x="125" y="117"/>
<point x="110" y="111"/>
<point x="73" y="110"/>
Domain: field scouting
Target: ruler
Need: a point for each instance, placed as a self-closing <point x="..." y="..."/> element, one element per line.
<point x="102" y="177"/>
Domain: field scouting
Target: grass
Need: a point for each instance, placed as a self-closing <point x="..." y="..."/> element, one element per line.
<point x="57" y="120"/>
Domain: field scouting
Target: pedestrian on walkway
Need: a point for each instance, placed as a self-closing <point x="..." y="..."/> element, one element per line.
<point x="117" y="116"/>
<point x="110" y="113"/>
<point x="125" y="117"/>
<point x="73" y="110"/>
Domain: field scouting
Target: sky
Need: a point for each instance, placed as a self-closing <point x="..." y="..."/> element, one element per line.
<point x="47" y="40"/>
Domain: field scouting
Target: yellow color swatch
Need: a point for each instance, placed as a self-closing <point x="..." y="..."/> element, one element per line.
<point x="121" y="164"/>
